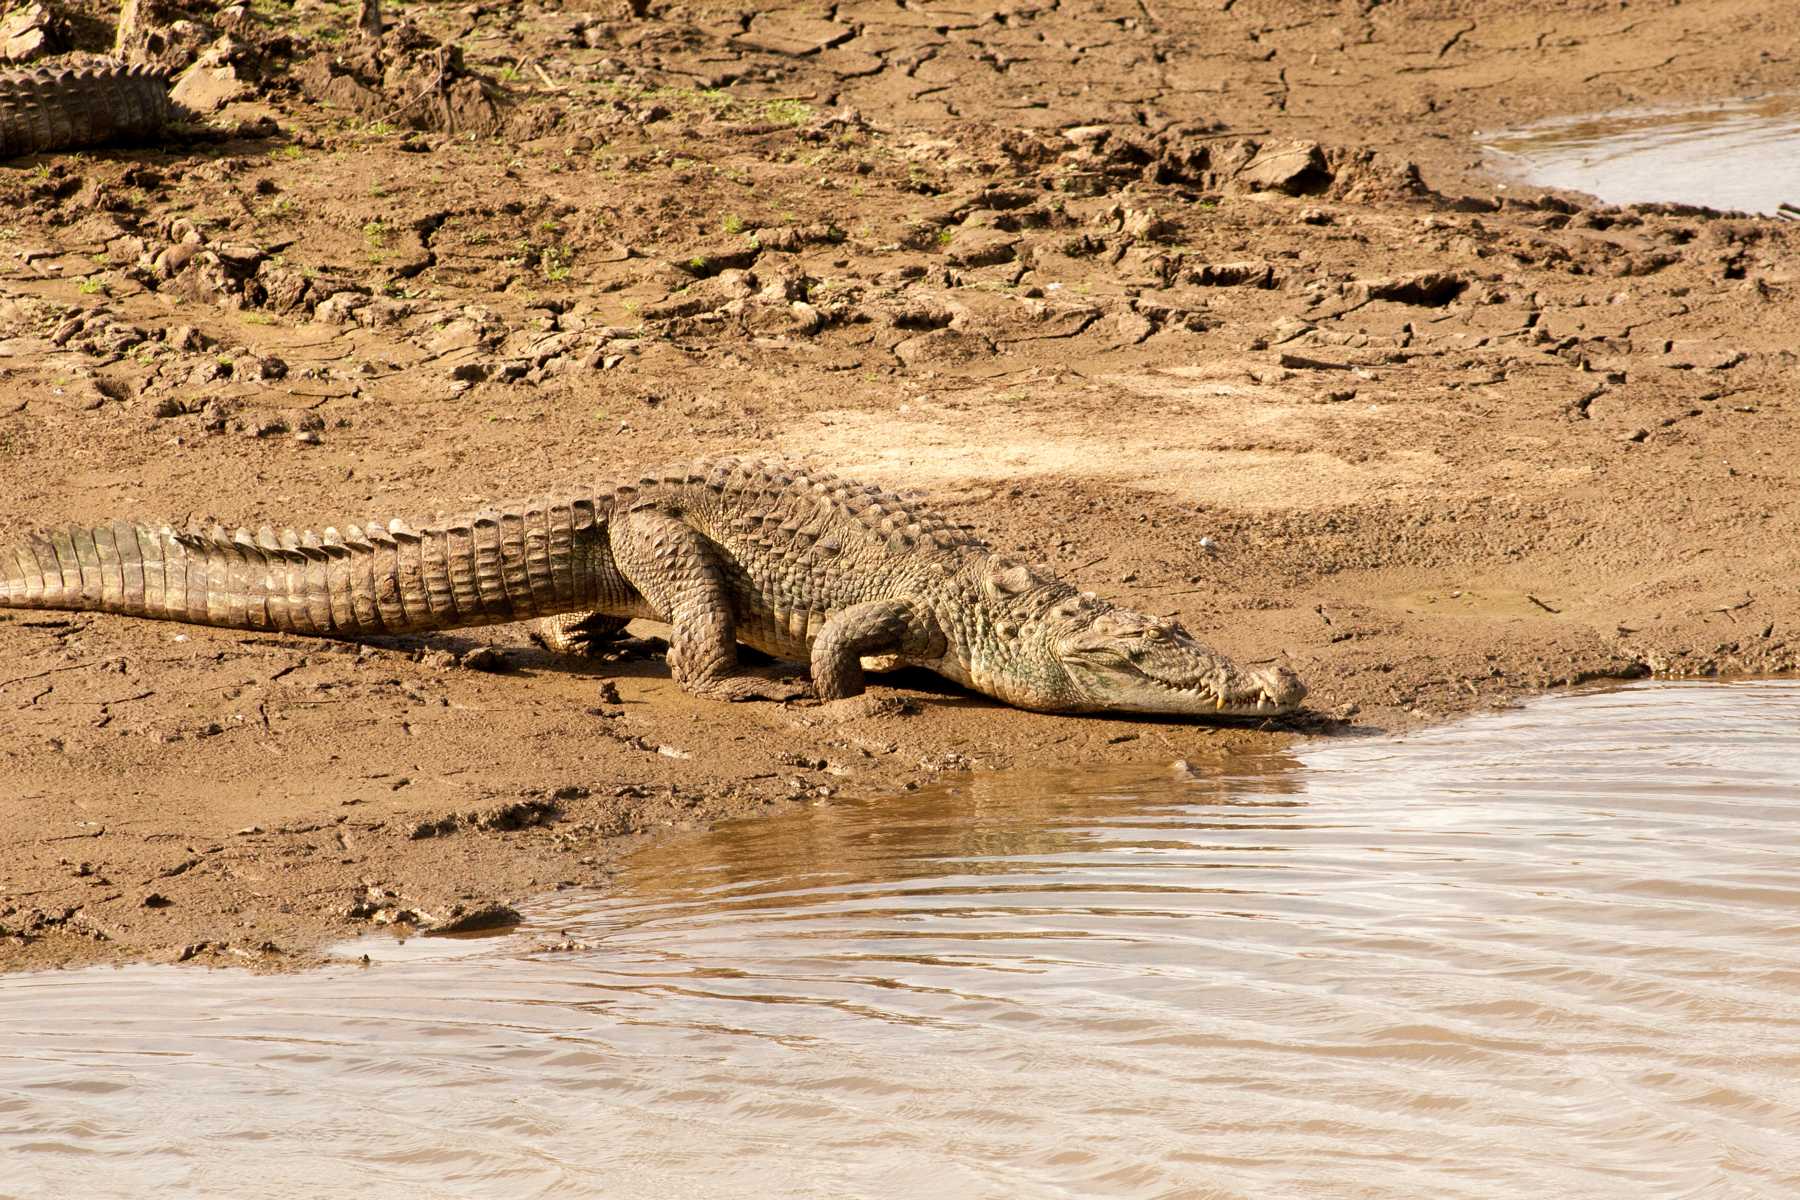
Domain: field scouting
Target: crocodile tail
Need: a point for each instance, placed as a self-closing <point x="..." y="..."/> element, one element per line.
<point x="508" y="564"/>
<point x="45" y="109"/>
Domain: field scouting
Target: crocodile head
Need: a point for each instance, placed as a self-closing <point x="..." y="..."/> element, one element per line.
<point x="1058" y="650"/>
<point x="1123" y="661"/>
<point x="1085" y="655"/>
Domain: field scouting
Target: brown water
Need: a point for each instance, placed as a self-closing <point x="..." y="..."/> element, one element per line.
<point x="1550" y="953"/>
<point x="1743" y="155"/>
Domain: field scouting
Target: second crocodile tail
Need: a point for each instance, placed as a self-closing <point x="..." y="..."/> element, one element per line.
<point x="47" y="109"/>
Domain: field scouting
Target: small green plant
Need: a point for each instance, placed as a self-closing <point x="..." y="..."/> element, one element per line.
<point x="257" y="318"/>
<point x="788" y="112"/>
<point x="946" y="236"/>
<point x="697" y="263"/>
<point x="508" y="73"/>
<point x="378" y="128"/>
<point x="733" y="223"/>
<point x="91" y="285"/>
<point x="375" y="233"/>
<point x="555" y="261"/>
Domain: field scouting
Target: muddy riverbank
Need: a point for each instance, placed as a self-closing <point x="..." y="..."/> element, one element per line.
<point x="1307" y="974"/>
<point x="1105" y="280"/>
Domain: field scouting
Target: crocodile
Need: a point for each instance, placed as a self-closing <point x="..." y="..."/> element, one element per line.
<point x="49" y="109"/>
<point x="796" y="562"/>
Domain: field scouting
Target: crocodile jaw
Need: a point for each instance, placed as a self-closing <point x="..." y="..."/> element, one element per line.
<point x="1131" y="662"/>
<point x="1227" y="692"/>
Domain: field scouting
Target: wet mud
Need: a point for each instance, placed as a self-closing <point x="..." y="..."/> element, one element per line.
<point x="1445" y="964"/>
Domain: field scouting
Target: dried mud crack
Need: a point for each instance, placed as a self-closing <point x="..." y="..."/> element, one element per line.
<point x="1212" y="311"/>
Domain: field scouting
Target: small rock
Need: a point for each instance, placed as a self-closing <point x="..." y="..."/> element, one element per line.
<point x="339" y="308"/>
<point x="981" y="248"/>
<point x="156" y="900"/>
<point x="491" y="915"/>
<point x="31" y="31"/>
<point x="185" y="338"/>
<point x="609" y="692"/>
<point x="212" y="82"/>
<point x="1290" y="167"/>
<point x="484" y="658"/>
<point x="401" y="916"/>
<point x="460" y="334"/>
<point x="170" y="262"/>
<point x="1147" y="224"/>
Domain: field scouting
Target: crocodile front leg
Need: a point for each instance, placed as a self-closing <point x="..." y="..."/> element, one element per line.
<point x="878" y="627"/>
<point x="679" y="573"/>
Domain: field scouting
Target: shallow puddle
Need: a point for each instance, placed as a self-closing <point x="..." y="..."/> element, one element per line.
<point x="1549" y="952"/>
<point x="1738" y="156"/>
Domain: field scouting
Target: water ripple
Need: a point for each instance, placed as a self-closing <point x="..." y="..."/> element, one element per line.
<point x="1549" y="951"/>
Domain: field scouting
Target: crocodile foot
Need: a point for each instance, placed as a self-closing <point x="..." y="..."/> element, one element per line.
<point x="580" y="634"/>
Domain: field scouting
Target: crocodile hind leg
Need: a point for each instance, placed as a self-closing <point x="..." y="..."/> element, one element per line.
<point x="680" y="574"/>
<point x="580" y="633"/>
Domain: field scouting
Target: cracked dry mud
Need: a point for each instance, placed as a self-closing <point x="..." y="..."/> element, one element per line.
<point x="1207" y="306"/>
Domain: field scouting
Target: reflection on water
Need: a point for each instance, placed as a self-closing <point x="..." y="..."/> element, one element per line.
<point x="1549" y="952"/>
<point x="1738" y="156"/>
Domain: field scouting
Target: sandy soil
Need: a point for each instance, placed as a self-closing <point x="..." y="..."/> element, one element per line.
<point x="1106" y="278"/>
